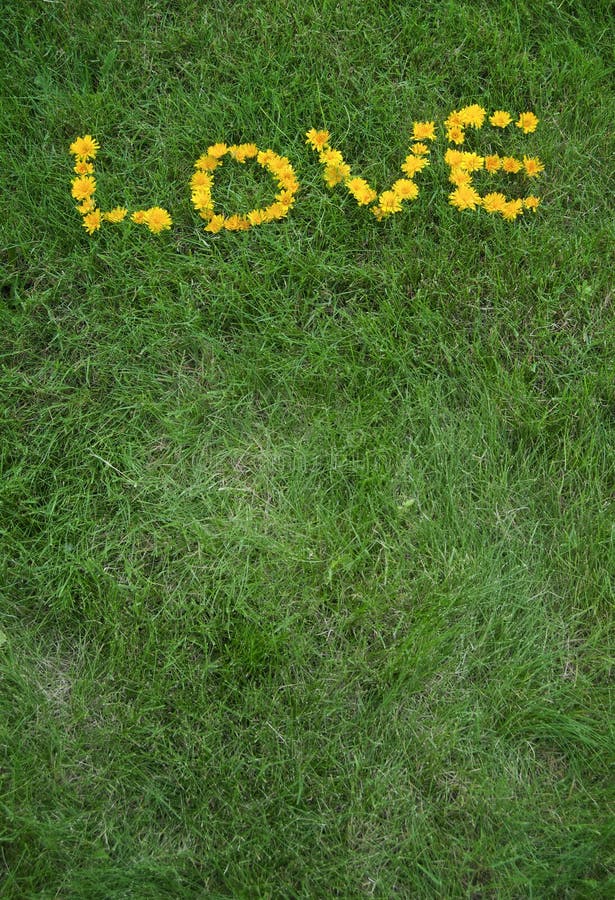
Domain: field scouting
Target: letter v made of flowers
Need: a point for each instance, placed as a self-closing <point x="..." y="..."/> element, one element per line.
<point x="337" y="171"/>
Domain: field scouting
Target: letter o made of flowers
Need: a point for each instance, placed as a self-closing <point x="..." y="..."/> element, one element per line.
<point x="202" y="183"/>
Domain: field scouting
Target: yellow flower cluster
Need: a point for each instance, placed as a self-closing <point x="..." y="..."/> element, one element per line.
<point x="470" y="116"/>
<point x="202" y="183"/>
<point x="156" y="218"/>
<point x="462" y="164"/>
<point x="84" y="185"/>
<point x="389" y="202"/>
<point x="83" y="189"/>
<point x="474" y="116"/>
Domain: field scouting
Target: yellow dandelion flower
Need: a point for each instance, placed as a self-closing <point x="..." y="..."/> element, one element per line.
<point x="83" y="187"/>
<point x="139" y="217"/>
<point x="250" y="151"/>
<point x="473" y="115"/>
<point x="512" y="209"/>
<point x="284" y="172"/>
<point x="201" y="179"/>
<point x="207" y="163"/>
<point x="91" y="221"/>
<point x="361" y="191"/>
<point x="500" y="119"/>
<point x="206" y="213"/>
<point x="414" y="164"/>
<point x="419" y="149"/>
<point x="454" y="119"/>
<point x="277" y="211"/>
<point x="116" y="215"/>
<point x="455" y="134"/>
<point x="201" y="198"/>
<point x="492" y="163"/>
<point x="464" y="197"/>
<point x="494" y="203"/>
<point x="405" y="189"/>
<point x="333" y="174"/>
<point x="532" y="166"/>
<point x="458" y="176"/>
<point x="531" y="202"/>
<point x="453" y="157"/>
<point x="85" y="147"/>
<point x="265" y="157"/>
<point x="286" y="198"/>
<point x="389" y="203"/>
<point x="527" y="122"/>
<point x="242" y="152"/>
<point x="288" y="181"/>
<point x="472" y="162"/>
<point x="200" y="193"/>
<point x="286" y="169"/>
<point x="278" y="164"/>
<point x="279" y="168"/>
<point x="157" y="219"/>
<point x="217" y="150"/>
<point x="317" y="139"/>
<point x="256" y="216"/>
<point x="511" y="165"/>
<point x="87" y="206"/>
<point x="366" y="196"/>
<point x="236" y="223"/>
<point x="468" y="162"/>
<point x="236" y="154"/>
<point x="331" y="157"/>
<point x="424" y="131"/>
<point x="83" y="168"/>
<point x="215" y="225"/>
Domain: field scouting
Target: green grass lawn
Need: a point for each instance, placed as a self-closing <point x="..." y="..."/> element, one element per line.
<point x="306" y="562"/>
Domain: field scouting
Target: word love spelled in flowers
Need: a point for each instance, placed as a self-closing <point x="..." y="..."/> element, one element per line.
<point x="462" y="164"/>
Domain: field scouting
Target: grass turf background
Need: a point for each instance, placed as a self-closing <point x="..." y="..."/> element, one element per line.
<point x="305" y="538"/>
